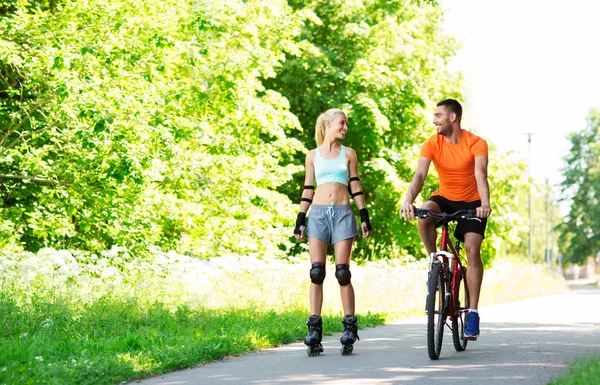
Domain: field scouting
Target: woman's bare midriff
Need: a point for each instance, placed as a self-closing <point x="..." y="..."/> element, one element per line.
<point x="329" y="193"/>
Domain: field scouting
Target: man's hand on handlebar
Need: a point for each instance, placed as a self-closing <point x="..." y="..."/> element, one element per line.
<point x="407" y="211"/>
<point x="483" y="211"/>
<point x="427" y="213"/>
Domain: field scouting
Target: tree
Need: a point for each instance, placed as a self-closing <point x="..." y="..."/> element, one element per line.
<point x="545" y="214"/>
<point x="145" y="123"/>
<point x="580" y="230"/>
<point x="183" y="124"/>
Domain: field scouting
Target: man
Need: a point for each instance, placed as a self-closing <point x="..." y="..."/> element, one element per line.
<point x="461" y="160"/>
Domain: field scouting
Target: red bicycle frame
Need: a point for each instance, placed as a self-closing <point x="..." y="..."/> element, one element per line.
<point x="450" y="264"/>
<point x="444" y="292"/>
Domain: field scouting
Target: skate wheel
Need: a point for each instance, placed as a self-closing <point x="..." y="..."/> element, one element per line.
<point x="346" y="350"/>
<point x="314" y="350"/>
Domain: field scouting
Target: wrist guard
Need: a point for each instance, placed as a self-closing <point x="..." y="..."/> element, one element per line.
<point x="300" y="221"/>
<point x="364" y="217"/>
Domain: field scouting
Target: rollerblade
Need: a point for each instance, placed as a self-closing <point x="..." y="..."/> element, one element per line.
<point x="314" y="336"/>
<point x="350" y="334"/>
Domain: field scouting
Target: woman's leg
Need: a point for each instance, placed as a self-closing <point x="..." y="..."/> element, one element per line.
<point x="343" y="251"/>
<point x="318" y="254"/>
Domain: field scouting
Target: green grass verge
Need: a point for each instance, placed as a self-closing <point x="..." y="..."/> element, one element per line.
<point x="114" y="340"/>
<point x="585" y="371"/>
<point x="67" y="319"/>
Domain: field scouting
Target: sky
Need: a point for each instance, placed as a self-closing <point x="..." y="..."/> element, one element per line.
<point x="530" y="66"/>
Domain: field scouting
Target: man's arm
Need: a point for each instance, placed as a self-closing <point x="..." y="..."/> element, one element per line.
<point x="407" y="211"/>
<point x="481" y="175"/>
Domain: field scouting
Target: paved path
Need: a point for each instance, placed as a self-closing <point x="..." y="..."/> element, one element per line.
<point x="525" y="342"/>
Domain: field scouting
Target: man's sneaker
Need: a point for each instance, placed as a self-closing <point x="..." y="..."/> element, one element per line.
<point x="472" y="329"/>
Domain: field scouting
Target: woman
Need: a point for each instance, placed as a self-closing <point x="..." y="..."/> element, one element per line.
<point x="334" y="168"/>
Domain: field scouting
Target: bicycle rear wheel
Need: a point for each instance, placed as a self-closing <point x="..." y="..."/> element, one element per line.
<point x="436" y="318"/>
<point x="462" y="307"/>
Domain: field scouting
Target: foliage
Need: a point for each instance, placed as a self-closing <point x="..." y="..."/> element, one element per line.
<point x="507" y="188"/>
<point x="114" y="339"/>
<point x="70" y="318"/>
<point x="183" y="124"/>
<point x="544" y="214"/>
<point x="579" y="233"/>
<point x="148" y="123"/>
<point x="9" y="7"/>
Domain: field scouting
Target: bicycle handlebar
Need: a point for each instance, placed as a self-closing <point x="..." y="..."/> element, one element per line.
<point x="466" y="214"/>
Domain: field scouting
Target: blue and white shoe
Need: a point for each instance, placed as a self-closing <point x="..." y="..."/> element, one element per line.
<point x="472" y="329"/>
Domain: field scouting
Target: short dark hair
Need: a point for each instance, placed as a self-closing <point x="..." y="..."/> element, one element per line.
<point x="453" y="105"/>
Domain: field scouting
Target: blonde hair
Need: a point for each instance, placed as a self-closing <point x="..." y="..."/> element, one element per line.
<point x="326" y="116"/>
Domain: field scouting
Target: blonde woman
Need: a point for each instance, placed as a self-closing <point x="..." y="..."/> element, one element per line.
<point x="333" y="169"/>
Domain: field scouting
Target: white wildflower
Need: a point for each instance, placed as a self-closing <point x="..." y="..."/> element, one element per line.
<point x="47" y="323"/>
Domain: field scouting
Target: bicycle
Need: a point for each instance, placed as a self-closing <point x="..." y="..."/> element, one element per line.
<point x="445" y="294"/>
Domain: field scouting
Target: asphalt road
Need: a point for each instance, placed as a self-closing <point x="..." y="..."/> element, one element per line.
<point x="526" y="342"/>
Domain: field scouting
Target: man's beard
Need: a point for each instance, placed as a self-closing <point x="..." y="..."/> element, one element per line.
<point x="446" y="130"/>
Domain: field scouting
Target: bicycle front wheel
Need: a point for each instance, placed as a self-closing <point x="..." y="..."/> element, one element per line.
<point x="461" y="301"/>
<point x="435" y="311"/>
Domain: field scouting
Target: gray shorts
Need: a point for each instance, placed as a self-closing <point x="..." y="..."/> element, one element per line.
<point x="331" y="223"/>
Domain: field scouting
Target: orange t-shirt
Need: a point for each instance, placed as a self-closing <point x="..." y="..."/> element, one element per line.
<point x="455" y="165"/>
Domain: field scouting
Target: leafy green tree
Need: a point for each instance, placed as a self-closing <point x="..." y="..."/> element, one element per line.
<point x="9" y="7"/>
<point x="580" y="231"/>
<point x="183" y="123"/>
<point x="508" y="195"/>
<point x="544" y="214"/>
<point x="139" y="123"/>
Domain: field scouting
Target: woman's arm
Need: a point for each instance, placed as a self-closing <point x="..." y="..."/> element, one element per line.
<point x="308" y="193"/>
<point x="356" y="191"/>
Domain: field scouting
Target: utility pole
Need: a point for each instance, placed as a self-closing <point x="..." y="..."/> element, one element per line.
<point x="552" y="228"/>
<point x="548" y="246"/>
<point x="529" y="134"/>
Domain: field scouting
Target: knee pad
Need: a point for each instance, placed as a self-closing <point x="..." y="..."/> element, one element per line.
<point x="343" y="275"/>
<point x="317" y="273"/>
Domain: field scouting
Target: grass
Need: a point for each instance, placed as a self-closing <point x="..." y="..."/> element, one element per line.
<point x="512" y="280"/>
<point x="585" y="371"/>
<point x="66" y="318"/>
<point x="112" y="340"/>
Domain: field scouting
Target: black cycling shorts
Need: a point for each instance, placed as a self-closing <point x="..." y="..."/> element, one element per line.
<point x="463" y="226"/>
